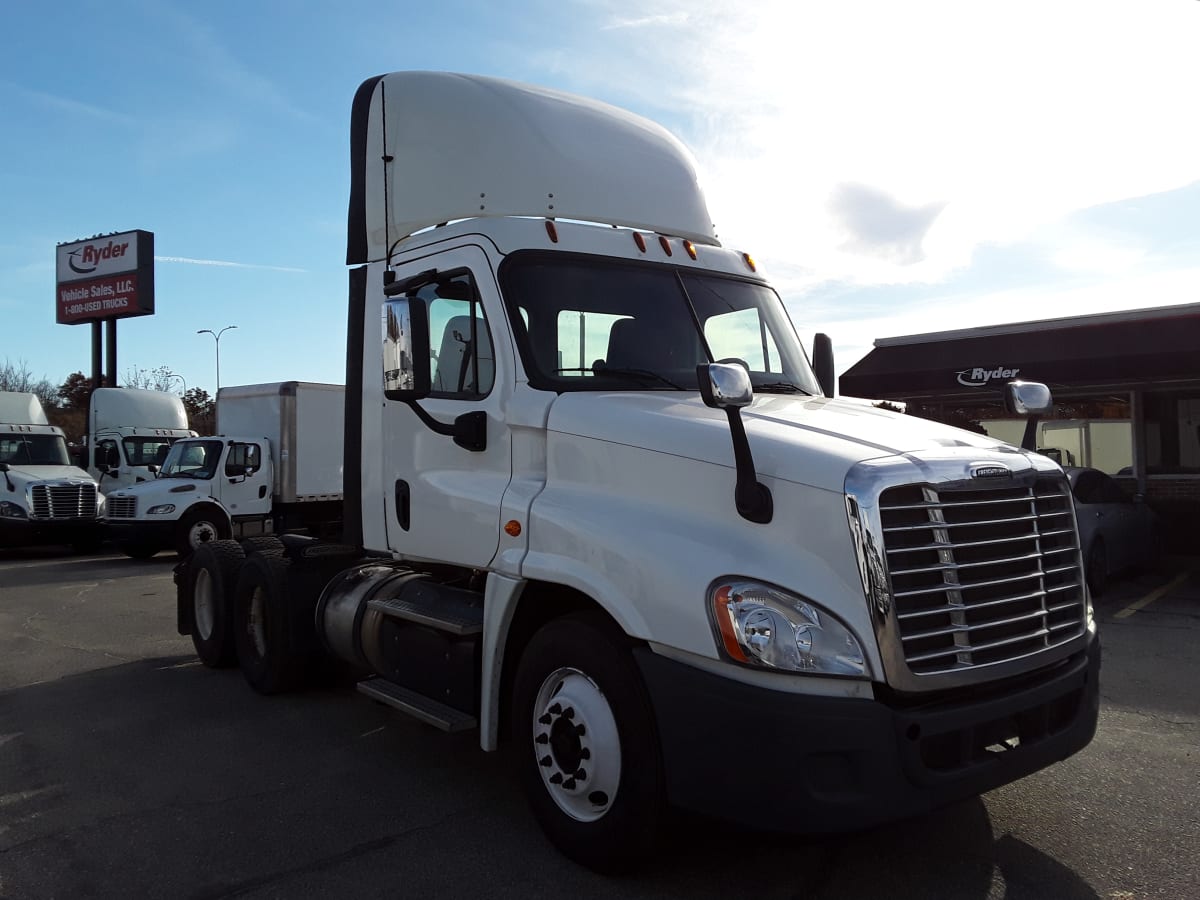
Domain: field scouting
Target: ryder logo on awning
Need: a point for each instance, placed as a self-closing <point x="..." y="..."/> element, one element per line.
<point x="981" y="377"/>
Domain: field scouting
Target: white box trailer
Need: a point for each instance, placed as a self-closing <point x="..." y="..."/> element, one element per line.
<point x="274" y="466"/>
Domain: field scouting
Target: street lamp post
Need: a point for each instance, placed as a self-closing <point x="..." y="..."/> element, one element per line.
<point x="180" y="377"/>
<point x="217" y="337"/>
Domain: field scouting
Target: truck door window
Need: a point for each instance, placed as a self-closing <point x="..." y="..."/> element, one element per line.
<point x="243" y="459"/>
<point x="463" y="363"/>
<point x="145" y="451"/>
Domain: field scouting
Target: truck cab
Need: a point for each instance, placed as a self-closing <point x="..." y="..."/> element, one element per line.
<point x="130" y="431"/>
<point x="203" y="486"/>
<point x="44" y="499"/>
<point x="599" y="504"/>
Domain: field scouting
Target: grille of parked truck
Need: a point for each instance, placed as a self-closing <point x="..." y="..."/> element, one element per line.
<point x="600" y="507"/>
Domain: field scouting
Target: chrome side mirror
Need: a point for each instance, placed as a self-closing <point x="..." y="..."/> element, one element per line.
<point x="406" y="375"/>
<point x="1027" y="398"/>
<point x="724" y="385"/>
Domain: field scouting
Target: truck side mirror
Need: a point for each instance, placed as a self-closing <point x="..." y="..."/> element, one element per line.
<point x="1030" y="399"/>
<point x="823" y="362"/>
<point x="727" y="386"/>
<point x="406" y="350"/>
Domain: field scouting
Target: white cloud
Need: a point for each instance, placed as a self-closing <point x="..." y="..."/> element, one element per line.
<point x="1006" y="118"/>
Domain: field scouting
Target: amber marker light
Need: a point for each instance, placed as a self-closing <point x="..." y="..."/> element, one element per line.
<point x="665" y="244"/>
<point x="690" y="248"/>
<point x="512" y="528"/>
<point x="721" y="601"/>
<point x="640" y="241"/>
<point x="552" y="231"/>
<point x="750" y="262"/>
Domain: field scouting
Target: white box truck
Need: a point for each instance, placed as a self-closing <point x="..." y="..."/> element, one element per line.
<point x="130" y="431"/>
<point x="275" y="465"/>
<point x="44" y="499"/>
<point x="599" y="505"/>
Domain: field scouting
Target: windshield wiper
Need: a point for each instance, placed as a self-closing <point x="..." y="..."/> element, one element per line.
<point x="642" y="375"/>
<point x="781" y="387"/>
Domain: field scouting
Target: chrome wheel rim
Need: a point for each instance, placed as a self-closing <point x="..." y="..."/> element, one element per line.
<point x="576" y="746"/>
<point x="201" y="533"/>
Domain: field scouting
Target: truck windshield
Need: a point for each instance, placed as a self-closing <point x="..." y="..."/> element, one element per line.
<point x="33" y="450"/>
<point x="586" y="323"/>
<point x="145" y="451"/>
<point x="192" y="459"/>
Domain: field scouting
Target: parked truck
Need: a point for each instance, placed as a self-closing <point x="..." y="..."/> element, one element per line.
<point x="275" y="465"/>
<point x="600" y="507"/>
<point x="44" y="498"/>
<point x="130" y="431"/>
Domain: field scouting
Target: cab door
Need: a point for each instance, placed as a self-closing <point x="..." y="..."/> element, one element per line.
<point x="441" y="499"/>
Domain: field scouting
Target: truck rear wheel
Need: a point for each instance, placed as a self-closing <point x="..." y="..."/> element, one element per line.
<point x="200" y="526"/>
<point x="586" y="744"/>
<point x="261" y="625"/>
<point x="211" y="576"/>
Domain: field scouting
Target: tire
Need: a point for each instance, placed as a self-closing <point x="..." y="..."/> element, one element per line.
<point x="579" y="704"/>
<point x="211" y="576"/>
<point x="200" y="526"/>
<point x="138" y="551"/>
<point x="262" y="543"/>
<point x="262" y="628"/>
<point x="1097" y="567"/>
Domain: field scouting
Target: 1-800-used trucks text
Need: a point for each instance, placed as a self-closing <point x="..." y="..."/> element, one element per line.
<point x="600" y="507"/>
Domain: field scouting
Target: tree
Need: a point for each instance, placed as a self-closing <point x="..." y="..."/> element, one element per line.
<point x="160" y="378"/>
<point x="76" y="391"/>
<point x="201" y="410"/>
<point x="18" y="378"/>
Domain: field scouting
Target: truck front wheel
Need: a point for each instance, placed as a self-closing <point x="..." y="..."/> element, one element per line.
<point x="200" y="526"/>
<point x="586" y="744"/>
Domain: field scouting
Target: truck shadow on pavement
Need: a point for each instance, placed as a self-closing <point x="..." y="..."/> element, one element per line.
<point x="162" y="778"/>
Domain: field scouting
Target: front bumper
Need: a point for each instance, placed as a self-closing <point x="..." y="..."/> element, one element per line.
<point x="32" y="532"/>
<point x="136" y="533"/>
<point x="802" y="764"/>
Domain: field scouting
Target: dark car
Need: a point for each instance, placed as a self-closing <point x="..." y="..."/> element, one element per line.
<point x="1116" y="531"/>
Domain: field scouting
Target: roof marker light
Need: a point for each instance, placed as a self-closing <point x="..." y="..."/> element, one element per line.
<point x="690" y="248"/>
<point x="640" y="241"/>
<point x="666" y="245"/>
<point x="750" y="262"/>
<point x="552" y="231"/>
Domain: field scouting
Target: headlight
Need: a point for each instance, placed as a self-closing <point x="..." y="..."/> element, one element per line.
<point x="162" y="509"/>
<point x="764" y="626"/>
<point x="10" y="510"/>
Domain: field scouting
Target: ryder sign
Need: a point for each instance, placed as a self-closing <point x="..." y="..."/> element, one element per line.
<point x="109" y="277"/>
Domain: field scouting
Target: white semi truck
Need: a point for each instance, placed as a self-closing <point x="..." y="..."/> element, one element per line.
<point x="599" y="506"/>
<point x="274" y="465"/>
<point x="130" y="431"/>
<point x="44" y="499"/>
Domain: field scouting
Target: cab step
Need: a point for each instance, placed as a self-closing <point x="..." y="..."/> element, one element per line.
<point x="445" y="608"/>
<point x="428" y="710"/>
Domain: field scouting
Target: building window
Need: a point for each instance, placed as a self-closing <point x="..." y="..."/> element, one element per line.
<point x="1173" y="433"/>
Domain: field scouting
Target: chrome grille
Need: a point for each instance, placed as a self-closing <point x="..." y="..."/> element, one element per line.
<point x="64" y="501"/>
<point x="982" y="576"/>
<point x="121" y="507"/>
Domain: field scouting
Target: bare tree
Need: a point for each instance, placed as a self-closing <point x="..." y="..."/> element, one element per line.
<point x="160" y="378"/>
<point x="17" y="377"/>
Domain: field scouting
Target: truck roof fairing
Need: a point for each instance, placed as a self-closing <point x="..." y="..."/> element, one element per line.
<point x="431" y="147"/>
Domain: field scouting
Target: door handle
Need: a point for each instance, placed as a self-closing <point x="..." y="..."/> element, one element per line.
<point x="402" y="504"/>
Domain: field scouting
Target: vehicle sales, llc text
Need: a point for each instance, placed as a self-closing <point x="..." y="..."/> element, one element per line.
<point x="99" y="297"/>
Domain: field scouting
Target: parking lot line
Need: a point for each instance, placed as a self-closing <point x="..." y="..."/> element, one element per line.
<point x="1152" y="596"/>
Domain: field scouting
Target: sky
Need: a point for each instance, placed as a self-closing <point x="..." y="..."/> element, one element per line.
<point x="896" y="168"/>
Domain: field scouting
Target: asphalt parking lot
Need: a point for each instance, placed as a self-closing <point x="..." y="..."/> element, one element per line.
<point x="129" y="770"/>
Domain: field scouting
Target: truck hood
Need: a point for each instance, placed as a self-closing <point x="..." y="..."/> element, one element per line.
<point x="29" y="474"/>
<point x="806" y="440"/>
<point x="163" y="487"/>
